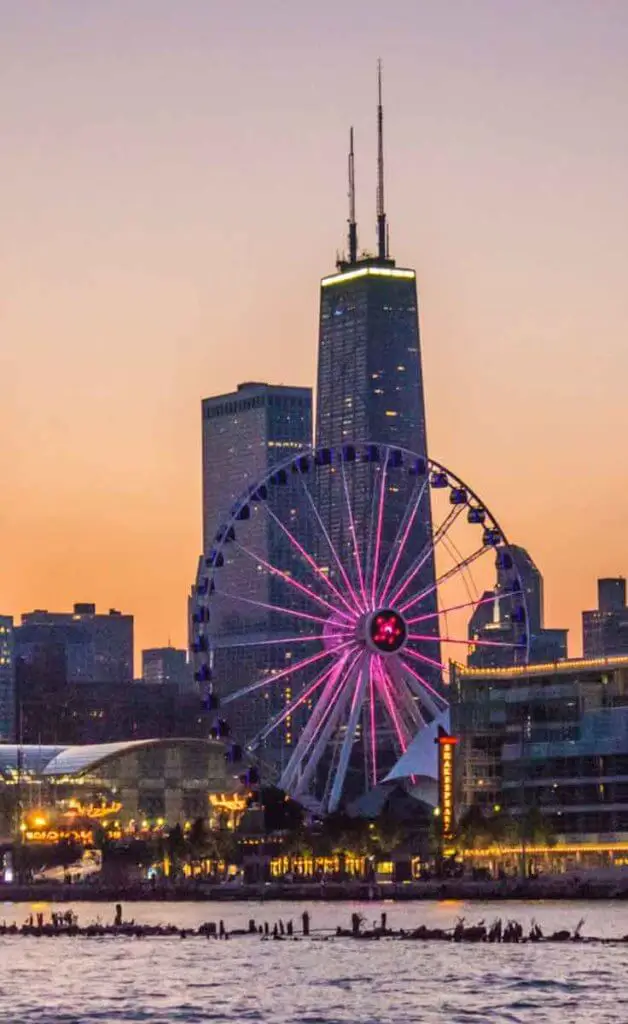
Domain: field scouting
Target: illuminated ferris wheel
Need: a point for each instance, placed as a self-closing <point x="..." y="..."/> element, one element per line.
<point x="327" y="612"/>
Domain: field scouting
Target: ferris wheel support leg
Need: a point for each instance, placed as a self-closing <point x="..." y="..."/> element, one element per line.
<point x="322" y="742"/>
<point x="323" y="705"/>
<point x="423" y="692"/>
<point x="406" y="697"/>
<point x="347" y="743"/>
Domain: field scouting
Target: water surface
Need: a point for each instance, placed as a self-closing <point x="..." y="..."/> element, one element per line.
<point x="167" y="980"/>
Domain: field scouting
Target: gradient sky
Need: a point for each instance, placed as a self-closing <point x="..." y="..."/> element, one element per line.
<point x="172" y="187"/>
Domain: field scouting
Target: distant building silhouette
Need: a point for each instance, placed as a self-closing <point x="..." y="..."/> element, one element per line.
<point x="491" y="619"/>
<point x="7" y="678"/>
<point x="166" y="665"/>
<point x="93" y="647"/>
<point x="605" y="630"/>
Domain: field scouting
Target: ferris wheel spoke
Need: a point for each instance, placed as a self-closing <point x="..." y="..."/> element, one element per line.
<point x="378" y="532"/>
<point x="268" y="680"/>
<point x="401" y="537"/>
<point x="309" y="560"/>
<point x="289" y="710"/>
<point x="431" y="698"/>
<point x="306" y="616"/>
<point x="349" y="736"/>
<point x="322" y="707"/>
<point x="406" y="695"/>
<point x="426" y="552"/>
<point x="313" y="748"/>
<point x="352" y="531"/>
<point x="467" y="579"/>
<point x="443" y="579"/>
<point x="466" y="643"/>
<point x="372" y="728"/>
<point x="269" y="642"/>
<point x="425" y="659"/>
<point x="381" y="682"/>
<point x="453" y="608"/>
<point x="334" y="553"/>
<point x="294" y="583"/>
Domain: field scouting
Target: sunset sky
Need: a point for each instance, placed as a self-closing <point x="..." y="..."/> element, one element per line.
<point x="172" y="188"/>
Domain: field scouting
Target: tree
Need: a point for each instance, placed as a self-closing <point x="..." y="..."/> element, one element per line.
<point x="281" y="812"/>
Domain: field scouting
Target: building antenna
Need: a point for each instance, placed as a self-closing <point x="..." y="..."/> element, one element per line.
<point x="353" y="228"/>
<point x="382" y="230"/>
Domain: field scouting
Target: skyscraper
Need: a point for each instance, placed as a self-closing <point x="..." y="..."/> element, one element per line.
<point x="93" y="647"/>
<point x="370" y="389"/>
<point x="491" y="620"/>
<point x="245" y="434"/>
<point x="163" y="666"/>
<point x="605" y="630"/>
<point x="7" y="678"/>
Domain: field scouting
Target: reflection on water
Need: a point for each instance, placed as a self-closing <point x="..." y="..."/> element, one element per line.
<point x="84" y="981"/>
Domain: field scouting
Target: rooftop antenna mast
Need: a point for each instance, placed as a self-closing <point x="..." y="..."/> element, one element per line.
<point x="382" y="230"/>
<point x="353" y="228"/>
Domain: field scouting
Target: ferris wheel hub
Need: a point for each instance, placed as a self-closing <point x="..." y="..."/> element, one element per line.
<point x="385" y="631"/>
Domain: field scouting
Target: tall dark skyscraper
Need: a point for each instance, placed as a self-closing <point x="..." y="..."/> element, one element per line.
<point x="370" y="383"/>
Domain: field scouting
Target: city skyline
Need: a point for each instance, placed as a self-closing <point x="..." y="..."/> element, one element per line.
<point x="141" y="272"/>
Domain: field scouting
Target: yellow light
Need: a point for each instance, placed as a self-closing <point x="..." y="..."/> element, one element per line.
<point x="352" y="275"/>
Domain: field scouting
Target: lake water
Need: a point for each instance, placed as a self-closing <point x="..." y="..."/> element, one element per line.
<point x="167" y="980"/>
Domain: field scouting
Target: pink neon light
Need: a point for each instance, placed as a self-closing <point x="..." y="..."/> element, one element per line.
<point x="442" y="579"/>
<point x="273" y="607"/>
<point x="343" y="671"/>
<point x="335" y="555"/>
<point x="372" y="720"/>
<point x="467" y="643"/>
<point x="422" y="681"/>
<point x="425" y="554"/>
<point x="378" y="534"/>
<point x="310" y="561"/>
<point x="389" y="703"/>
<point x="295" y="640"/>
<point x="299" y="586"/>
<point x="354" y="536"/>
<point x="297" y="703"/>
<point x="454" y="608"/>
<point x="400" y="549"/>
<point x="268" y="680"/>
<point x="428" y="661"/>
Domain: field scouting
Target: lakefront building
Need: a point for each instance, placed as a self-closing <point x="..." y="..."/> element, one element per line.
<point x="550" y="739"/>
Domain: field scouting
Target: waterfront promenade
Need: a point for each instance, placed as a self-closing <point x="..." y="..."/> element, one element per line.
<point x="587" y="886"/>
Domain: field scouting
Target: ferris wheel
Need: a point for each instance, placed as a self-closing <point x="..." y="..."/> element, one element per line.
<point x="336" y="594"/>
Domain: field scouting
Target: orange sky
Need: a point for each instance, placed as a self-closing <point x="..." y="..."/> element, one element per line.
<point x="172" y="187"/>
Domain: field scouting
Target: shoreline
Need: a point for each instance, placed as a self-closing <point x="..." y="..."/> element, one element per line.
<point x="554" y="888"/>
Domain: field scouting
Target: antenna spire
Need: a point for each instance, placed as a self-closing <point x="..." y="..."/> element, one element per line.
<point x="382" y="231"/>
<point x="353" y="228"/>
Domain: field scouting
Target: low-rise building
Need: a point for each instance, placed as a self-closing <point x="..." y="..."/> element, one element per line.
<point x="550" y="737"/>
<point x="58" y="791"/>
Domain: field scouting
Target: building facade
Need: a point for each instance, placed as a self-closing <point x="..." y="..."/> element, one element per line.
<point x="68" y="792"/>
<point x="7" y="678"/>
<point x="553" y="738"/>
<point x="605" y="630"/>
<point x="84" y="645"/>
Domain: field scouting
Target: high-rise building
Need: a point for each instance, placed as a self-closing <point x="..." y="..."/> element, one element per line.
<point x="7" y="678"/>
<point x="86" y="646"/>
<point x="166" y="665"/>
<point x="492" y="619"/>
<point x="246" y="434"/>
<point x="605" y="630"/>
<point x="370" y="389"/>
